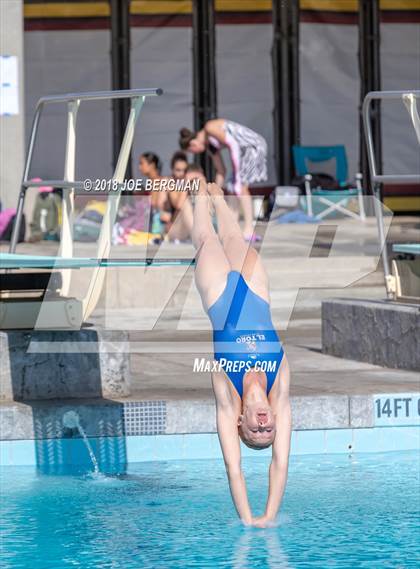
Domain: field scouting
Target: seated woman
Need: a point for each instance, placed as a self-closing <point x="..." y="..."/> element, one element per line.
<point x="252" y="385"/>
<point x="178" y="211"/>
<point x="150" y="166"/>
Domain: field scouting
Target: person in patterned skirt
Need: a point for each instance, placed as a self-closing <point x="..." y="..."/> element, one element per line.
<point x="248" y="154"/>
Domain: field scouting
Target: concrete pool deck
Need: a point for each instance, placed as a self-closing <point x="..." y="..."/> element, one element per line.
<point x="167" y="397"/>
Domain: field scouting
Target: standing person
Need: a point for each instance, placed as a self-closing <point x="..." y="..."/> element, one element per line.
<point x="248" y="154"/>
<point x="252" y="387"/>
<point x="151" y="166"/>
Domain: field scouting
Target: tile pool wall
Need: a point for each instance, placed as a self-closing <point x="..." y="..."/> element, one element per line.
<point x="112" y="418"/>
<point x="122" y="450"/>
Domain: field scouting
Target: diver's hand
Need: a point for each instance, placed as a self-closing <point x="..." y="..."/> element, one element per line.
<point x="262" y="522"/>
<point x="247" y="521"/>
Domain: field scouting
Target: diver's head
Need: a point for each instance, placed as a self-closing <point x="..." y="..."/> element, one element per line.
<point x="256" y="424"/>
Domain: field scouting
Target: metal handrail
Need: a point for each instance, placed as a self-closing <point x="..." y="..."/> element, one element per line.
<point x="73" y="100"/>
<point x="378" y="179"/>
<point x="375" y="177"/>
<point x="69" y="184"/>
<point x="98" y="95"/>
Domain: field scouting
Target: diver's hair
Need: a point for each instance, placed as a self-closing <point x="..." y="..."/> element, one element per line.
<point x="185" y="137"/>
<point x="195" y="168"/>
<point x="251" y="445"/>
<point x="152" y="158"/>
<point x="178" y="156"/>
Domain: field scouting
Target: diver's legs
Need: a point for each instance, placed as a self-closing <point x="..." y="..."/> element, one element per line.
<point x="246" y="206"/>
<point x="182" y="226"/>
<point x="241" y="256"/>
<point x="212" y="266"/>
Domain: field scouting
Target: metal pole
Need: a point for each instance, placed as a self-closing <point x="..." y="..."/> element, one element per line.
<point x="19" y="211"/>
<point x="104" y="239"/>
<point x="295" y="75"/>
<point x="66" y="237"/>
<point x="285" y="65"/>
<point x="382" y="238"/>
<point x="120" y="71"/>
<point x="370" y="80"/>
<point x="204" y="70"/>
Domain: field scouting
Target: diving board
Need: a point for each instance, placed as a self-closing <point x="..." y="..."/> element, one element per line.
<point x="15" y="261"/>
<point x="39" y="301"/>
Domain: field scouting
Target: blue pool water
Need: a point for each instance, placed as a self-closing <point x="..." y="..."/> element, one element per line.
<point x="338" y="511"/>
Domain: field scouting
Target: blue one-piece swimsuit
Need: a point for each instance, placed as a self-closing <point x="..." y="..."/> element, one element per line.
<point x="243" y="333"/>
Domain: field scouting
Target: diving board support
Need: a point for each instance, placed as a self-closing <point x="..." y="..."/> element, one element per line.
<point x="66" y="240"/>
<point x="104" y="240"/>
<point x="411" y="104"/>
<point x="409" y="100"/>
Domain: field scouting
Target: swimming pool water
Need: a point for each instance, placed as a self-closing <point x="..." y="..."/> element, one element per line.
<point x="338" y="511"/>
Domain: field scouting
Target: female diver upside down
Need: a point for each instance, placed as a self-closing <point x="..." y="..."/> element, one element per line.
<point x="251" y="404"/>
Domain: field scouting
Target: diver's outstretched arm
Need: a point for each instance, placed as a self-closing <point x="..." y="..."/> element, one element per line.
<point x="279" y="463"/>
<point x="227" y="429"/>
<point x="281" y="449"/>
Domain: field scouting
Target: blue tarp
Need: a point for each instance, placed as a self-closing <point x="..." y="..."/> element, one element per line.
<point x="296" y="216"/>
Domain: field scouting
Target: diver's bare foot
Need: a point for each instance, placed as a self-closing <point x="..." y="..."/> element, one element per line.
<point x="201" y="194"/>
<point x="202" y="188"/>
<point x="214" y="190"/>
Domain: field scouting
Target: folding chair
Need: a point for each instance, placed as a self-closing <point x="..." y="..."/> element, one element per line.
<point x="335" y="200"/>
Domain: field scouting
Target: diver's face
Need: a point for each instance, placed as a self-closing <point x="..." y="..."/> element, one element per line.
<point x="196" y="146"/>
<point x="258" y="424"/>
<point x="179" y="170"/>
